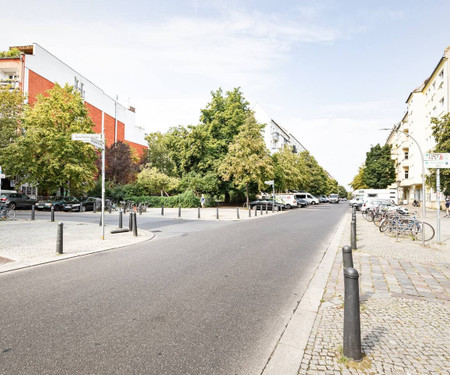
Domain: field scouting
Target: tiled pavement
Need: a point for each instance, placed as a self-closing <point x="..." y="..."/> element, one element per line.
<point x="405" y="308"/>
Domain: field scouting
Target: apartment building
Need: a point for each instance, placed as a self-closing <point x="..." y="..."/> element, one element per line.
<point x="37" y="70"/>
<point x="413" y="134"/>
<point x="275" y="136"/>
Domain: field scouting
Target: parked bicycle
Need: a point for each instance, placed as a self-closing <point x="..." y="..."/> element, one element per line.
<point x="407" y="225"/>
<point x="6" y="213"/>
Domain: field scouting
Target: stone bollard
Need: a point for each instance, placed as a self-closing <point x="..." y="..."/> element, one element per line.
<point x="135" y="231"/>
<point x="347" y="257"/>
<point x="179" y="211"/>
<point x="237" y="212"/>
<point x="33" y="212"/>
<point x="52" y="214"/>
<point x="352" y="323"/>
<point x="120" y="218"/>
<point x="59" y="239"/>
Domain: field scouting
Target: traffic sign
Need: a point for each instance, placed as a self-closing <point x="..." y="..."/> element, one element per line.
<point x="271" y="182"/>
<point x="84" y="137"/>
<point x="437" y="160"/>
<point x="2" y="175"/>
<point x="97" y="143"/>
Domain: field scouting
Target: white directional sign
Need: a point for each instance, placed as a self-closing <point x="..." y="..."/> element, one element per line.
<point x="437" y="160"/>
<point x="271" y="182"/>
<point x="97" y="143"/>
<point x="85" y="137"/>
<point x="2" y="175"/>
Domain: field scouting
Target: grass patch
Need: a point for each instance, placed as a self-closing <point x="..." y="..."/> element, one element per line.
<point x="364" y="364"/>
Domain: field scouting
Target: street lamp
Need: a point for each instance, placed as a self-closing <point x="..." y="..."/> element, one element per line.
<point x="424" y="209"/>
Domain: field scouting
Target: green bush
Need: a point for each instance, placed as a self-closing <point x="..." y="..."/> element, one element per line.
<point x="185" y="200"/>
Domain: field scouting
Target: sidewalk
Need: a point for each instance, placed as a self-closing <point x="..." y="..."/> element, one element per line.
<point x="405" y="307"/>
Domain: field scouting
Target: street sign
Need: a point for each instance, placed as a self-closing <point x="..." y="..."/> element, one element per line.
<point x="437" y="160"/>
<point x="271" y="182"/>
<point x="97" y="143"/>
<point x="2" y="175"/>
<point x="85" y="137"/>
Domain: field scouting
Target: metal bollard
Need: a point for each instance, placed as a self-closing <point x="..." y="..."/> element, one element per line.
<point x="198" y="213"/>
<point x="120" y="218"/>
<point x="179" y="211"/>
<point x="353" y="234"/>
<point x="135" y="232"/>
<point x="256" y="211"/>
<point x="217" y="213"/>
<point x="140" y="209"/>
<point x="237" y="212"/>
<point x="130" y="222"/>
<point x="100" y="221"/>
<point x="52" y="214"/>
<point x="81" y="206"/>
<point x="162" y="210"/>
<point x="266" y="209"/>
<point x="59" y="239"/>
<point x="249" y="212"/>
<point x="352" y="324"/>
<point x="110" y="208"/>
<point x="33" y="212"/>
<point x="94" y="208"/>
<point x="347" y="257"/>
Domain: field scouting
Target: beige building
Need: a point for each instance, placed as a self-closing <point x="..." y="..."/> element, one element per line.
<point x="413" y="134"/>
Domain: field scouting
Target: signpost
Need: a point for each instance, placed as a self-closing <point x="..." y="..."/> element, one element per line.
<point x="272" y="182"/>
<point x="438" y="161"/>
<point x="96" y="140"/>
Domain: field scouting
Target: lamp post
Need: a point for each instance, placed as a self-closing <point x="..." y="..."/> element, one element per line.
<point x="424" y="209"/>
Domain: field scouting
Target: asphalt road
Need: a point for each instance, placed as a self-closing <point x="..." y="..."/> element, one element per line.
<point x="210" y="301"/>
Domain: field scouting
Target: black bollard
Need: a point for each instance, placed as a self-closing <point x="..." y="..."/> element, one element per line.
<point x="140" y="209"/>
<point x="237" y="212"/>
<point x="352" y="324"/>
<point x="199" y="212"/>
<point x="109" y="207"/>
<point x="120" y="218"/>
<point x="249" y="212"/>
<point x="266" y="209"/>
<point x="130" y="222"/>
<point x="135" y="232"/>
<point x="81" y="206"/>
<point x="256" y="211"/>
<point x="94" y="208"/>
<point x="33" y="212"/>
<point x="217" y="213"/>
<point x="52" y="214"/>
<point x="59" y="239"/>
<point x="347" y="257"/>
<point x="353" y="234"/>
<point x="179" y="211"/>
<point x="162" y="210"/>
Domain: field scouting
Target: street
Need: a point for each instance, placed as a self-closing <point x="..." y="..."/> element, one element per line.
<point x="201" y="298"/>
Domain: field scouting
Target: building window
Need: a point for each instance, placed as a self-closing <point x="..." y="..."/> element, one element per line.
<point x="79" y="86"/>
<point x="406" y="174"/>
<point x="441" y="102"/>
<point x="441" y="74"/>
<point x="406" y="155"/>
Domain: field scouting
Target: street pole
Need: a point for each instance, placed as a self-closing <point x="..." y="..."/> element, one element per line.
<point x="103" y="176"/>
<point x="438" y="200"/>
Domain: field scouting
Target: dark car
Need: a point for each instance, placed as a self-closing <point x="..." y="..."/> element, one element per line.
<point x="56" y="202"/>
<point x="261" y="205"/>
<point x="17" y="200"/>
<point x="85" y="205"/>
<point x="302" y="202"/>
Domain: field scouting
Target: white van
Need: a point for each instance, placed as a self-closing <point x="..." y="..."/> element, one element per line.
<point x="311" y="199"/>
<point x="288" y="200"/>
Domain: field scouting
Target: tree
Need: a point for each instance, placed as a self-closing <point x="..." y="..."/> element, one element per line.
<point x="158" y="153"/>
<point x="379" y="171"/>
<point x="155" y="182"/>
<point x="342" y="192"/>
<point x="317" y="182"/>
<point x="11" y="115"/>
<point x="290" y="172"/>
<point x="441" y="133"/>
<point x="120" y="166"/>
<point x="358" y="180"/>
<point x="248" y="159"/>
<point x="44" y="154"/>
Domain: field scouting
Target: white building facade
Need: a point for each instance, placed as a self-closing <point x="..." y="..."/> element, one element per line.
<point x="413" y="134"/>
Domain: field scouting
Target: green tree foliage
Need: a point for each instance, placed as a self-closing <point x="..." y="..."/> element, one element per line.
<point x="342" y="192"/>
<point x="379" y="171"/>
<point x="317" y="183"/>
<point x="11" y="110"/>
<point x="248" y="160"/>
<point x="11" y="53"/>
<point x="152" y="182"/>
<point x="44" y="154"/>
<point x="290" y="171"/>
<point x="358" y="180"/>
<point x="441" y="133"/>
<point x="158" y="153"/>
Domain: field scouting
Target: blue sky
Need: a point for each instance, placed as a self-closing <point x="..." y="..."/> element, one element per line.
<point x="331" y="72"/>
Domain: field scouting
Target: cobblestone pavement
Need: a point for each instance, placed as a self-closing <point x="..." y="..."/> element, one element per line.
<point x="405" y="308"/>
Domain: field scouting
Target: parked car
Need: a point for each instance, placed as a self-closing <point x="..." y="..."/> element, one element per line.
<point x="334" y="198"/>
<point x="309" y="197"/>
<point x="17" y="200"/>
<point x="56" y="202"/>
<point x="85" y="205"/>
<point x="287" y="199"/>
<point x="302" y="202"/>
<point x="261" y="204"/>
<point x="323" y="199"/>
<point x="369" y="204"/>
<point x="356" y="202"/>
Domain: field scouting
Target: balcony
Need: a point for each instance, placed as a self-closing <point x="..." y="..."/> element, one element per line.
<point x="12" y="83"/>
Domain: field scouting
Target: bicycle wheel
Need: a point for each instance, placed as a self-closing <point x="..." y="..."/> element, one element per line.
<point x="377" y="219"/>
<point x="424" y="228"/>
<point x="10" y="214"/>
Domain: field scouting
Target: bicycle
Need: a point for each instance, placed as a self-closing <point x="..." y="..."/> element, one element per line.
<point x="7" y="213"/>
<point x="410" y="226"/>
